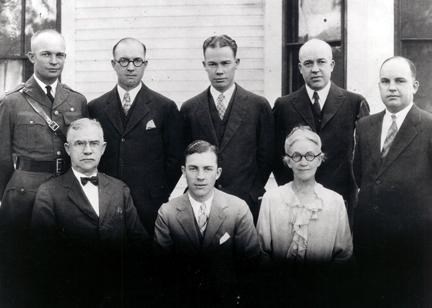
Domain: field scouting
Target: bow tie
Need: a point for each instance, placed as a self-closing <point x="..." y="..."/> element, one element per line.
<point x="92" y="179"/>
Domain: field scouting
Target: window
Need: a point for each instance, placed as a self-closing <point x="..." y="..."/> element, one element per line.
<point x="19" y="19"/>
<point x="306" y="19"/>
<point x="413" y="39"/>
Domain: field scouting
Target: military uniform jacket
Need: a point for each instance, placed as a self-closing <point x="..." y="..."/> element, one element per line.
<point x="24" y="133"/>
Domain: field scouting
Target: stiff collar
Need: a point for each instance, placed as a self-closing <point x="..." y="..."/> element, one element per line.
<point x="228" y="93"/>
<point x="196" y="204"/>
<point x="133" y="93"/>
<point x="43" y="85"/>
<point x="323" y="93"/>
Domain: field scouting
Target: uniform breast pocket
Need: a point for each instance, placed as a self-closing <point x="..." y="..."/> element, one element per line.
<point x="30" y="132"/>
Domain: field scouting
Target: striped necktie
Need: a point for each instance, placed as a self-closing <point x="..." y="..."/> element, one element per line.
<point x="202" y="218"/>
<point x="391" y="134"/>
<point x="220" y="106"/>
<point x="126" y="103"/>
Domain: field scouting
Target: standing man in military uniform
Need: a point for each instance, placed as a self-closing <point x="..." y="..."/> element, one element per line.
<point x="33" y="122"/>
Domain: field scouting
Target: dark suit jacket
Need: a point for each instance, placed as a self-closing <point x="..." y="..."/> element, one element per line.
<point x="341" y="111"/>
<point x="84" y="254"/>
<point x="146" y="154"/>
<point x="210" y="263"/>
<point x="246" y="150"/>
<point x="393" y="219"/>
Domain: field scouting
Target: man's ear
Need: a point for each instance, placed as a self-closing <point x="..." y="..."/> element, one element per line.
<point x="183" y="169"/>
<point x="218" y="172"/>
<point x="66" y="146"/>
<point x="31" y="56"/>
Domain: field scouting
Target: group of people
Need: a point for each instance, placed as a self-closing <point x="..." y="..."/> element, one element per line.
<point x="85" y="215"/>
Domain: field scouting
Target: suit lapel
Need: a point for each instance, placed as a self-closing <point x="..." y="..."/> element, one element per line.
<point x="186" y="219"/>
<point x="77" y="196"/>
<point x="33" y="90"/>
<point x="204" y="118"/>
<point x="332" y="104"/>
<point x="216" y="218"/>
<point x="406" y="134"/>
<point x="374" y="141"/>
<point x="104" y="197"/>
<point x="302" y="105"/>
<point x="236" y="115"/>
<point x="140" y="110"/>
<point x="112" y="110"/>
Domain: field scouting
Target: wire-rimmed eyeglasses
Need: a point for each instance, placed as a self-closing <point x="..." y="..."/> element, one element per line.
<point x="124" y="62"/>
<point x="309" y="156"/>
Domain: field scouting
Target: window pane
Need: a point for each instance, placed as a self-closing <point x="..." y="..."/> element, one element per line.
<point x="10" y="28"/>
<point x="320" y="19"/>
<point x="416" y="18"/>
<point x="419" y="53"/>
<point x="10" y="74"/>
<point x="40" y="14"/>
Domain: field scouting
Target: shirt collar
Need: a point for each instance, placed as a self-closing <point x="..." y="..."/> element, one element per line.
<point x="43" y="85"/>
<point x="80" y="175"/>
<point x="323" y="93"/>
<point x="228" y="93"/>
<point x="400" y="115"/>
<point x="133" y="92"/>
<point x="196" y="204"/>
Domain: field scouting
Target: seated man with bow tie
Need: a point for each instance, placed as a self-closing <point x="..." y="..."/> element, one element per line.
<point x="85" y="227"/>
<point x="205" y="235"/>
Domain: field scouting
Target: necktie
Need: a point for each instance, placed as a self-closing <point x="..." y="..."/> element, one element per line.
<point x="316" y="110"/>
<point x="51" y="98"/>
<point x="391" y="134"/>
<point x="202" y="218"/>
<point x="126" y="103"/>
<point x="92" y="179"/>
<point x="220" y="106"/>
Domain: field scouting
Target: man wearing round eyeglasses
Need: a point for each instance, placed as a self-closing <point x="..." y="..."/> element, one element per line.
<point x="34" y="118"/>
<point x="143" y="131"/>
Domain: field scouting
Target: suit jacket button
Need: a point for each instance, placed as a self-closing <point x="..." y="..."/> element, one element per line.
<point x="123" y="139"/>
<point x="378" y="181"/>
<point x="219" y="186"/>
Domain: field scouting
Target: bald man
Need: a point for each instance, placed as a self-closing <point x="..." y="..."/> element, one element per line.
<point x="332" y="112"/>
<point x="143" y="130"/>
<point x="33" y="122"/>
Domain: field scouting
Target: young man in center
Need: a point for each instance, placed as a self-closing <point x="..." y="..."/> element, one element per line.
<point x="206" y="235"/>
<point x="237" y="121"/>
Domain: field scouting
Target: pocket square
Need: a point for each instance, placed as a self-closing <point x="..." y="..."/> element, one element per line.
<point x="224" y="238"/>
<point x="150" y="125"/>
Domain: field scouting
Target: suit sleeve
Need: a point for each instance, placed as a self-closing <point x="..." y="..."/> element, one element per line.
<point x="6" y="135"/>
<point x="343" y="247"/>
<point x="164" y="242"/>
<point x="43" y="221"/>
<point x="137" y="234"/>
<point x="265" y="138"/>
<point x="173" y="145"/>
<point x="279" y="169"/>
<point x="357" y="159"/>
<point x="363" y="109"/>
<point x="263" y="225"/>
<point x="246" y="237"/>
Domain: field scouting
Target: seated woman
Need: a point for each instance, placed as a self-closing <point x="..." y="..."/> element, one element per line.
<point x="302" y="221"/>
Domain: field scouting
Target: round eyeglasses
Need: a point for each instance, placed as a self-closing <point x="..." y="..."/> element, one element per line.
<point x="309" y="156"/>
<point x="137" y="62"/>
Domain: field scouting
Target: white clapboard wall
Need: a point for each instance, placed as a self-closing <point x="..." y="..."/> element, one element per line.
<point x="173" y="31"/>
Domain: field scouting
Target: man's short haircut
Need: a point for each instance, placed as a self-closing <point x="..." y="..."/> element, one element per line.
<point x="38" y="33"/>
<point x="81" y="123"/>
<point x="128" y="39"/>
<point x="410" y="64"/>
<point x="220" y="41"/>
<point x="200" y="146"/>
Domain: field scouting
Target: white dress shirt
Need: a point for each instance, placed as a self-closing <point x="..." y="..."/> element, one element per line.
<point x="90" y="190"/>
<point x="323" y="93"/>
<point x="196" y="205"/>
<point x="227" y="95"/>
<point x="132" y="93"/>
<point x="387" y="121"/>
<point x="43" y="85"/>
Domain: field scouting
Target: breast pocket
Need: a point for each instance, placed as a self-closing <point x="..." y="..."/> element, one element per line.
<point x="30" y="132"/>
